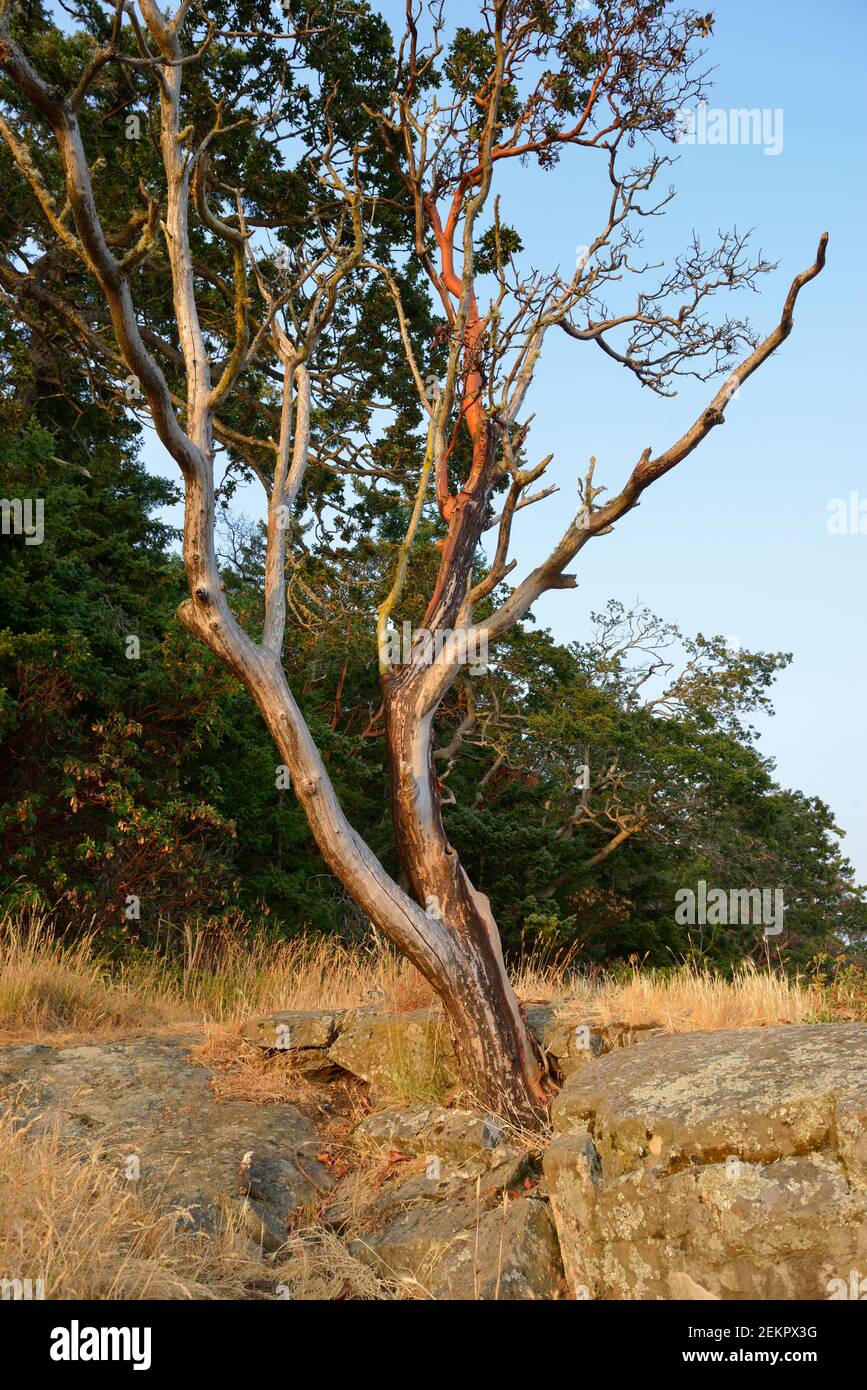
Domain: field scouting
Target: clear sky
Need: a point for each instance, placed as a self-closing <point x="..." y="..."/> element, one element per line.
<point x="735" y="541"/>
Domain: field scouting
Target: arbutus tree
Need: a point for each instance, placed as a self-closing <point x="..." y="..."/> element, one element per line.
<point x="407" y="194"/>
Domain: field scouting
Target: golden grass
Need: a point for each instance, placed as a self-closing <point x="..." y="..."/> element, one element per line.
<point x="237" y="978"/>
<point x="692" y="999"/>
<point x="48" y="987"/>
<point x="69" y="1219"/>
<point x="74" y="1222"/>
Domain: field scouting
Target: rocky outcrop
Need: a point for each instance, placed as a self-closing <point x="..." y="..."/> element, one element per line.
<point x="715" y="1166"/>
<point x="154" y="1114"/>
<point x="398" y="1054"/>
<point x="304" y="1036"/>
<point x="433" y="1130"/>
<point x="405" y="1054"/>
<point x="470" y="1250"/>
<point x="460" y="1216"/>
<point x="408" y="1055"/>
<point x="569" y="1038"/>
<point x="294" y="1030"/>
<point x="468" y="1222"/>
<point x="701" y="1166"/>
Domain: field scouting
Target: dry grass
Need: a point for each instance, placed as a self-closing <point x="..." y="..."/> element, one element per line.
<point x="319" y="1267"/>
<point x="696" y="1000"/>
<point x="70" y="1219"/>
<point x="240" y="978"/>
<point x="48" y="988"/>
<point x="244" y="1072"/>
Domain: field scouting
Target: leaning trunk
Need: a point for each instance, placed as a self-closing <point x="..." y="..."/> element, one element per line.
<point x="496" y="1055"/>
<point x="449" y="933"/>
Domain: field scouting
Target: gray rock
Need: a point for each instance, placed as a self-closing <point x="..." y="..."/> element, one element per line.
<point x="145" y="1099"/>
<point x="424" y="1179"/>
<point x="432" y="1129"/>
<point x="715" y="1166"/>
<point x="292" y="1030"/>
<point x="439" y="1182"/>
<point x="570" y="1039"/>
<point x="402" y="1055"/>
<point x="463" y="1251"/>
<point x="457" y="1228"/>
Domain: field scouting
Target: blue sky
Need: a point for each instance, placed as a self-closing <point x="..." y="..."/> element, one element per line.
<point x="735" y="541"/>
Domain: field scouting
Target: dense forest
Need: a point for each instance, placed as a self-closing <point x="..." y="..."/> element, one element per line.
<point x="151" y="773"/>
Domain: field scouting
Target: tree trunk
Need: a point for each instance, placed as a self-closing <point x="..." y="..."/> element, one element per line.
<point x="449" y="935"/>
<point x="496" y="1055"/>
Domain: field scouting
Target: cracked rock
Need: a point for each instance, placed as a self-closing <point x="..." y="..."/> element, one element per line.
<point x="715" y="1165"/>
<point x="461" y="1251"/>
<point x="201" y="1159"/>
<point x="432" y="1129"/>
